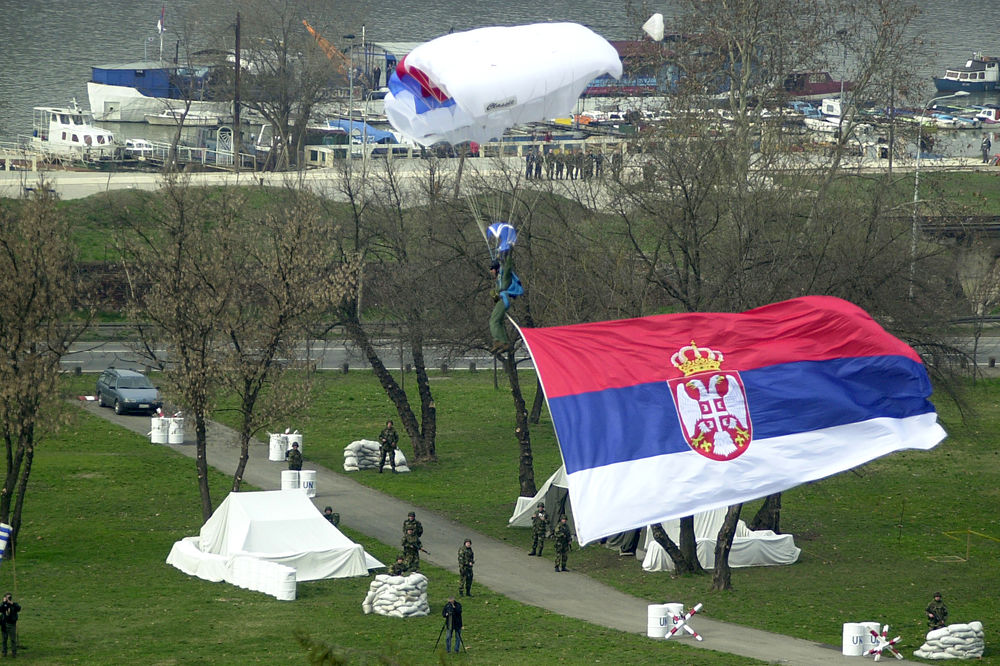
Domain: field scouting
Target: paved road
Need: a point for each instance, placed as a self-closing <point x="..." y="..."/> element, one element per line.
<point x="96" y="356"/>
<point x="500" y="567"/>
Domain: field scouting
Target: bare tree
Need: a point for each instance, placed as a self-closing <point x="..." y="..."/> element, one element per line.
<point x="721" y="219"/>
<point x="287" y="73"/>
<point x="181" y="265"/>
<point x="42" y="311"/>
<point x="390" y="236"/>
<point x="291" y="279"/>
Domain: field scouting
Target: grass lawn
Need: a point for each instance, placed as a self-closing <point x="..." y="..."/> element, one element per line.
<point x="875" y="541"/>
<point x="103" y="510"/>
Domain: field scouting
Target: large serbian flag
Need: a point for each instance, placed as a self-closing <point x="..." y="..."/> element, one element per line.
<point x="665" y="416"/>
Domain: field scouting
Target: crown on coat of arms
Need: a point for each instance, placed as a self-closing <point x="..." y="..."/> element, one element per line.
<point x="694" y="359"/>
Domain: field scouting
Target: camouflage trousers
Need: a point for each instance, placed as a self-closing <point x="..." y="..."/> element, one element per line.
<point x="465" y="580"/>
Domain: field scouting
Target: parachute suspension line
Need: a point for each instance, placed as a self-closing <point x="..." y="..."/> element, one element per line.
<point x="480" y="222"/>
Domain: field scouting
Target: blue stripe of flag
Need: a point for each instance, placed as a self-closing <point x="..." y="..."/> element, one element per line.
<point x="636" y="422"/>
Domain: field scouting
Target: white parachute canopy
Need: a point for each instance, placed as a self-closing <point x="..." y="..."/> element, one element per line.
<point x="471" y="86"/>
<point x="654" y="27"/>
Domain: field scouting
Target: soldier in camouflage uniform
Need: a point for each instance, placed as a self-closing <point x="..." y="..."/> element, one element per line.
<point x="563" y="538"/>
<point x="387" y="440"/>
<point x="411" y="550"/>
<point x="937" y="613"/>
<point x="294" y="457"/>
<point x="399" y="567"/>
<point x="466" y="559"/>
<point x="539" y="528"/>
<point x="411" y="523"/>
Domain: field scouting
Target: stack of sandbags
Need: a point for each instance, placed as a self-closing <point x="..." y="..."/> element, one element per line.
<point x="397" y="596"/>
<point x="956" y="641"/>
<point x="365" y="454"/>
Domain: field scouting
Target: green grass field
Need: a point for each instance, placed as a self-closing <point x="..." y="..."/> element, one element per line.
<point x="105" y="506"/>
<point x="875" y="541"/>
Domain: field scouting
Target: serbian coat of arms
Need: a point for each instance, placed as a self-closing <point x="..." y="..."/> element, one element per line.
<point x="711" y="404"/>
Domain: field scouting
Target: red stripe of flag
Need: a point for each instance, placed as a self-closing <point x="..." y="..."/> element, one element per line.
<point x="593" y="357"/>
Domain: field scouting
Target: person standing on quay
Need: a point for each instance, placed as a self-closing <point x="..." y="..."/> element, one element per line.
<point x="985" y="147"/>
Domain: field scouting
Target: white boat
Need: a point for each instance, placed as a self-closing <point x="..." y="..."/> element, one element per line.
<point x="131" y="91"/>
<point x="67" y="133"/>
<point x="989" y="114"/>
<point x="178" y="117"/>
<point x="826" y="125"/>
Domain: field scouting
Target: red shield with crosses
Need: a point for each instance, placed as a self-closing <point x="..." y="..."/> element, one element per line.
<point x="711" y="404"/>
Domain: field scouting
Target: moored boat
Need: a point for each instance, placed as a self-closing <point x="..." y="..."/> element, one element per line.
<point x="67" y="133"/>
<point x="178" y="117"/>
<point x="131" y="91"/>
<point x="814" y="85"/>
<point x="980" y="74"/>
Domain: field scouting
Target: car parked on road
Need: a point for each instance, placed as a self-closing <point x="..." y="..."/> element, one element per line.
<point x="127" y="391"/>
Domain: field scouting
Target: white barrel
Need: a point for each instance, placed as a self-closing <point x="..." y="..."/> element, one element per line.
<point x="290" y="479"/>
<point x="276" y="447"/>
<point x="307" y="481"/>
<point x="853" y="640"/>
<point x="294" y="438"/>
<point x="159" y="430"/>
<point x="871" y="641"/>
<point x="674" y="610"/>
<point x="659" y="621"/>
<point x="175" y="435"/>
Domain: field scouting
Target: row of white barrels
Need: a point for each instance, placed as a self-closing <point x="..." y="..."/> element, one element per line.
<point x="279" y="443"/>
<point x="293" y="479"/>
<point x="166" y="430"/>
<point x="661" y="619"/>
<point x="858" y="638"/>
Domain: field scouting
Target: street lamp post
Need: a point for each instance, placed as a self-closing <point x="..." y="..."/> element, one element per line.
<point x="916" y="182"/>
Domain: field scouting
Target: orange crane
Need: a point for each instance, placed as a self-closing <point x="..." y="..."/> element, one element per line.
<point x="340" y="61"/>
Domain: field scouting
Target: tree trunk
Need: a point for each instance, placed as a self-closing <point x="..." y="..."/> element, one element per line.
<point x="428" y="411"/>
<point x="768" y="517"/>
<point x="536" y="406"/>
<point x="22" y="489"/>
<point x="244" y="450"/>
<point x="722" y="576"/>
<point x="526" y="468"/>
<point x="396" y="394"/>
<point x="681" y="565"/>
<point x="689" y="545"/>
<point x="201" y="464"/>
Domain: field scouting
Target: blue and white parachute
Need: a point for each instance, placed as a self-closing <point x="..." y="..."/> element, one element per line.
<point x="471" y="86"/>
<point x="503" y="235"/>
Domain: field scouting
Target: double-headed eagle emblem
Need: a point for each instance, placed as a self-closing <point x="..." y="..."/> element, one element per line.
<point x="711" y="404"/>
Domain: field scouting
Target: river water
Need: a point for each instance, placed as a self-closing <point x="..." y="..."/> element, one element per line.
<point x="47" y="48"/>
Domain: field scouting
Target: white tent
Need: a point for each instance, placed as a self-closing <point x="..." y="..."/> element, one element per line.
<point x="282" y="527"/>
<point x="750" y="548"/>
<point x="553" y="493"/>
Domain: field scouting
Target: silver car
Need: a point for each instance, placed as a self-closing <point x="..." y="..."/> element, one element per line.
<point x="127" y="391"/>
